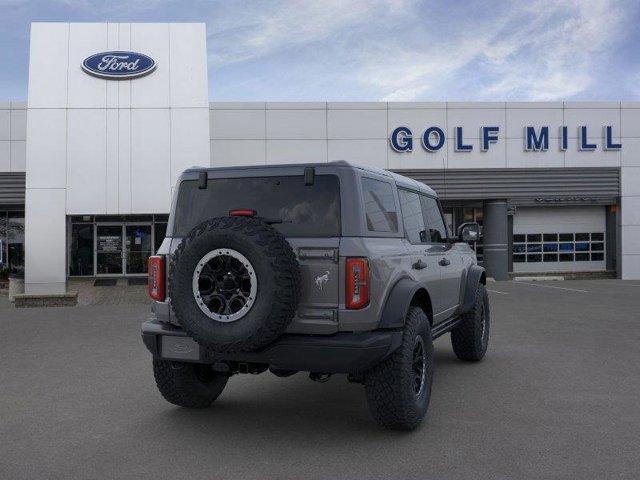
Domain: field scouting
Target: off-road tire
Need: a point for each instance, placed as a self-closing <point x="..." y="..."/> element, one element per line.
<point x="188" y="385"/>
<point x="470" y="338"/>
<point x="278" y="282"/>
<point x="389" y="386"/>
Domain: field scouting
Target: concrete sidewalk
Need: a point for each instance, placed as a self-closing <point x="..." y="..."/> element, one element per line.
<point x="120" y="294"/>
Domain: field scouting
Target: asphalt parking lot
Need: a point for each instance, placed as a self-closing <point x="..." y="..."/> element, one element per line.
<point x="558" y="396"/>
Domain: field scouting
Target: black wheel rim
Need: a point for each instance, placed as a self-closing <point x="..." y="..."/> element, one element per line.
<point x="224" y="285"/>
<point x="419" y="367"/>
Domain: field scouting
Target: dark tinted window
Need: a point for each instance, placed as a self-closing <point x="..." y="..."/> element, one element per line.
<point x="306" y="211"/>
<point x="379" y="206"/>
<point x="437" y="232"/>
<point x="159" y="233"/>
<point x="412" y="216"/>
<point x="81" y="249"/>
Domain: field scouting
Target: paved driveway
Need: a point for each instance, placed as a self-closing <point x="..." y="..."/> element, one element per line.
<point x="558" y="396"/>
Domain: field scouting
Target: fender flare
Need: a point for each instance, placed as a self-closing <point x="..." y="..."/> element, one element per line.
<point x="398" y="301"/>
<point x="475" y="276"/>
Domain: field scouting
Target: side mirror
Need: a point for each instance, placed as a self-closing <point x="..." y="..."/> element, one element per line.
<point x="469" y="232"/>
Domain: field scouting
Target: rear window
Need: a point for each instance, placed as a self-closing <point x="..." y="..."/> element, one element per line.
<point x="379" y="206"/>
<point x="306" y="211"/>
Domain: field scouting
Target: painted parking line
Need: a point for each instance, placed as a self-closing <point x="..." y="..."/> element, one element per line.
<point x="496" y="291"/>
<point x="551" y="286"/>
<point x="614" y="282"/>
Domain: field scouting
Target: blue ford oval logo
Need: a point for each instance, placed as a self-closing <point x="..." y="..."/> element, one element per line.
<point x="118" y="65"/>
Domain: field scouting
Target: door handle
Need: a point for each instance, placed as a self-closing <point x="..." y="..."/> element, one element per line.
<point x="419" y="265"/>
<point x="444" y="262"/>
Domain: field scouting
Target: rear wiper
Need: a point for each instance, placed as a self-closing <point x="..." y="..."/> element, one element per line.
<point x="271" y="221"/>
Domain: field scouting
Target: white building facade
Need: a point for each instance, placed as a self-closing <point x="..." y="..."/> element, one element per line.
<point x="556" y="184"/>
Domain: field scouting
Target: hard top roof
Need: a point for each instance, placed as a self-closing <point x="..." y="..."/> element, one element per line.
<point x="400" y="180"/>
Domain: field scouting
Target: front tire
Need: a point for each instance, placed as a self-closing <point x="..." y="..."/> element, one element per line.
<point x="470" y="339"/>
<point x="399" y="388"/>
<point x="189" y="385"/>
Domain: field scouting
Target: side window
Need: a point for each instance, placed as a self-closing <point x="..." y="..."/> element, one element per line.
<point x="412" y="216"/>
<point x="379" y="205"/>
<point x="437" y="232"/>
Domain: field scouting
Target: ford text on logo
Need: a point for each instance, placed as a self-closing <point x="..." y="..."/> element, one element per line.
<point x="535" y="139"/>
<point x="118" y="65"/>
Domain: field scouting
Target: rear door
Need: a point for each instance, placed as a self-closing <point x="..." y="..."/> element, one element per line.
<point x="424" y="263"/>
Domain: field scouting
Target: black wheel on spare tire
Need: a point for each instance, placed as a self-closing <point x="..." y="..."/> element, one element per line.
<point x="470" y="339"/>
<point x="399" y="388"/>
<point x="190" y="385"/>
<point x="234" y="284"/>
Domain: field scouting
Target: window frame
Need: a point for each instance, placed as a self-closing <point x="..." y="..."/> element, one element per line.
<point x="565" y="251"/>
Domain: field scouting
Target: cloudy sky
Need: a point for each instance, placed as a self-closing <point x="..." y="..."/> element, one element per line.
<point x="378" y="49"/>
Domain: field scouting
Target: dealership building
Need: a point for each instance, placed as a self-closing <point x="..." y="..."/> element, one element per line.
<point x="116" y="111"/>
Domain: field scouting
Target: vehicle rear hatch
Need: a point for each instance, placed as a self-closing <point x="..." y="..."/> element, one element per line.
<point x="306" y="210"/>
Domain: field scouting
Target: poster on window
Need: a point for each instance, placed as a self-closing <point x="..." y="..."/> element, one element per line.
<point x="109" y="243"/>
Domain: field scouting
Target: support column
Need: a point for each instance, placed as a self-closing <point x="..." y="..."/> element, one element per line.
<point x="495" y="239"/>
<point x="45" y="241"/>
<point x="611" y="237"/>
<point x="630" y="223"/>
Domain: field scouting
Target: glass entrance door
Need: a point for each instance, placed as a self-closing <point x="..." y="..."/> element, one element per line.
<point x="138" y="248"/>
<point x="109" y="250"/>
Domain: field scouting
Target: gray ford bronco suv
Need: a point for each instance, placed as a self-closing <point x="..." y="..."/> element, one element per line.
<point x="322" y="268"/>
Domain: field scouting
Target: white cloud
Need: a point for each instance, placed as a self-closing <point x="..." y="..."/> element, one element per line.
<point x="405" y="50"/>
<point x="562" y="57"/>
<point x="546" y="51"/>
<point x="255" y="31"/>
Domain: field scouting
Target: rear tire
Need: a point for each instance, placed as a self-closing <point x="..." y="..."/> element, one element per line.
<point x="190" y="385"/>
<point x="470" y="339"/>
<point x="399" y="388"/>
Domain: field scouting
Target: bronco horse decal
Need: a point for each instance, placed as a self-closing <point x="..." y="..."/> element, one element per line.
<point x="321" y="280"/>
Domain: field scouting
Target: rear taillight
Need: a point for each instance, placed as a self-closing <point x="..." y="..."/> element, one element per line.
<point x="156" y="282"/>
<point x="357" y="288"/>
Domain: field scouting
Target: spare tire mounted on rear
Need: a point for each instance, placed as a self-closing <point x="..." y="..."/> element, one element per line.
<point x="234" y="283"/>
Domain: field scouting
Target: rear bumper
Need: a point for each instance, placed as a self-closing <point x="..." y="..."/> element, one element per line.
<point x="339" y="353"/>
